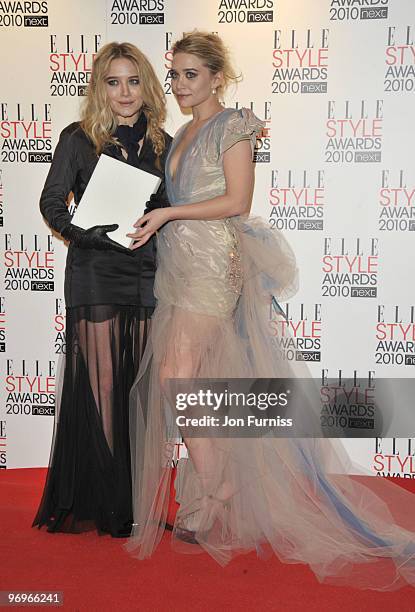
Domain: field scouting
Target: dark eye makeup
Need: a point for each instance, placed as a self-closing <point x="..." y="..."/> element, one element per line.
<point x="190" y="74"/>
<point x="113" y="82"/>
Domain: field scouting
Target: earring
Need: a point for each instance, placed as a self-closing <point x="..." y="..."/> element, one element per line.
<point x="213" y="92"/>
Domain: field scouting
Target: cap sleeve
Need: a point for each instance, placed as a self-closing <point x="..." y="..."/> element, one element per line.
<point x="241" y="124"/>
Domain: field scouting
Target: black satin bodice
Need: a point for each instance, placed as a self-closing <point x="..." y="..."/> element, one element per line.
<point x="92" y="276"/>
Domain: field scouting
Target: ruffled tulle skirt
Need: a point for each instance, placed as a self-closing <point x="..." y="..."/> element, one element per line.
<point x="88" y="484"/>
<point x="213" y="285"/>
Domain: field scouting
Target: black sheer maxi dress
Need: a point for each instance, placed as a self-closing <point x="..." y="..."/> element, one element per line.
<point x="109" y="302"/>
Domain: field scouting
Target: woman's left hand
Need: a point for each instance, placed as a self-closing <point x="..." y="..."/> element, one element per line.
<point x="147" y="225"/>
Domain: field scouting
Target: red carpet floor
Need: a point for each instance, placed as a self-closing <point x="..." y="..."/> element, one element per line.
<point x="95" y="573"/>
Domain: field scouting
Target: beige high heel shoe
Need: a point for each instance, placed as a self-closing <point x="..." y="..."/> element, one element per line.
<point x="188" y="529"/>
<point x="211" y="507"/>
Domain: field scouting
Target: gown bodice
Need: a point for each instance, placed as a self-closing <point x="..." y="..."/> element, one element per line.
<point x="209" y="249"/>
<point x="199" y="174"/>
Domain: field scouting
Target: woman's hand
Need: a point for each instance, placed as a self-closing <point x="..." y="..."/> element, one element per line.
<point x="148" y="224"/>
<point x="93" y="238"/>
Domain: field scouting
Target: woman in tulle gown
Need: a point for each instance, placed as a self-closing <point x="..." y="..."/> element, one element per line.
<point x="216" y="270"/>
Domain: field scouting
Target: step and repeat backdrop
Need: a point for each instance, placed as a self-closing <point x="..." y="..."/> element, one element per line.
<point x="334" y="81"/>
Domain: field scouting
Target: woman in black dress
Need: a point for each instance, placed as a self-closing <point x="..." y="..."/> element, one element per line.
<point x="109" y="298"/>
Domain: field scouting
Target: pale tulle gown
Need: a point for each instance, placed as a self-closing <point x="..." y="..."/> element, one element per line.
<point x="213" y="284"/>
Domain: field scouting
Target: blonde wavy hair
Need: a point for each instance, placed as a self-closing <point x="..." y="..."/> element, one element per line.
<point x="214" y="54"/>
<point x="98" y="120"/>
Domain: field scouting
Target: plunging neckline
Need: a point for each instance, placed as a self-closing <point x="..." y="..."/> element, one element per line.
<point x="186" y="148"/>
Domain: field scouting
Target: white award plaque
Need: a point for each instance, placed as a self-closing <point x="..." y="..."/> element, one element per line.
<point x="116" y="193"/>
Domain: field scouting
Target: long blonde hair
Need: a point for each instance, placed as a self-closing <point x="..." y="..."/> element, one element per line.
<point x="98" y="120"/>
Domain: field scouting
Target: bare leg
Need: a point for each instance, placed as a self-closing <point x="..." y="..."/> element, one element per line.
<point x="95" y="344"/>
<point x="193" y="337"/>
<point x="200" y="449"/>
<point x="97" y="341"/>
